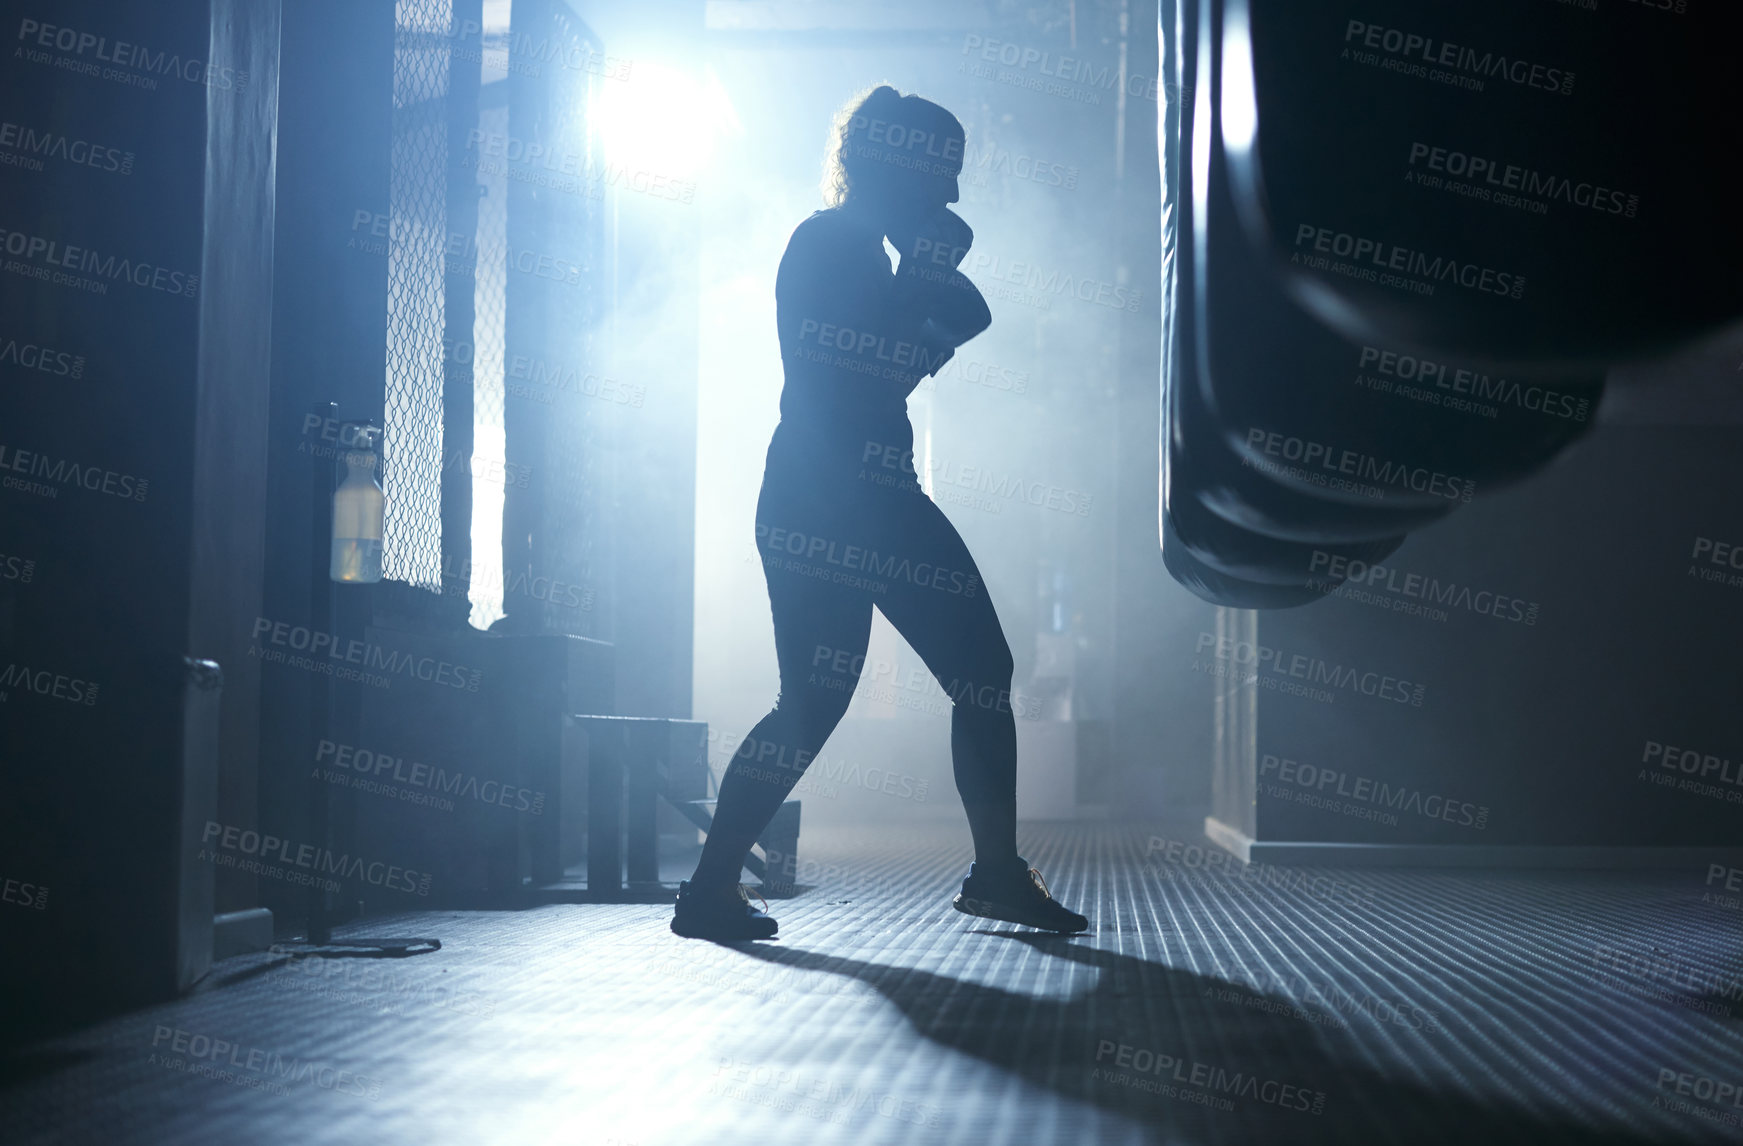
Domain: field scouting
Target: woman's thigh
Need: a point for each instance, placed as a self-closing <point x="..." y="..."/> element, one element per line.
<point x="812" y="550"/>
<point x="932" y="591"/>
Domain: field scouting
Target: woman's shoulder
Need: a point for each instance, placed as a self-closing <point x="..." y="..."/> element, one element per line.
<point x="831" y="225"/>
<point x="830" y="244"/>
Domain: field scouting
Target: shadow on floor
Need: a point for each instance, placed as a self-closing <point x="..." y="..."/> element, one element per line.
<point x="1063" y="1046"/>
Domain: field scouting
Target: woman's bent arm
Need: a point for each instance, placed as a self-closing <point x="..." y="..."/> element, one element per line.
<point x="937" y="292"/>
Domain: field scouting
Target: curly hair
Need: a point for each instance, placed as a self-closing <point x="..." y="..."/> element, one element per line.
<point x="855" y="161"/>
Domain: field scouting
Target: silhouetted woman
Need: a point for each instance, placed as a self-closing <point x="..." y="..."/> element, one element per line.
<point x="842" y="524"/>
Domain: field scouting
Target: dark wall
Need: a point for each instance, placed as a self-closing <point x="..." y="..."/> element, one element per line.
<point x="1573" y="628"/>
<point x="117" y="452"/>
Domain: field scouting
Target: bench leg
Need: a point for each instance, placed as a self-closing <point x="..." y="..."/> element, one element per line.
<point x="644" y="785"/>
<point x="604" y="813"/>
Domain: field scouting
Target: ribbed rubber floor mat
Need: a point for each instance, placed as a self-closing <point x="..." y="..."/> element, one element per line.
<point x="1207" y="1004"/>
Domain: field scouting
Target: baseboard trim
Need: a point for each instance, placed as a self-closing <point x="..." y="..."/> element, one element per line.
<point x="1286" y="853"/>
<point x="241" y="932"/>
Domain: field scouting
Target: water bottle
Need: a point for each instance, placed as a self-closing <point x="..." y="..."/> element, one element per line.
<point x="358" y="509"/>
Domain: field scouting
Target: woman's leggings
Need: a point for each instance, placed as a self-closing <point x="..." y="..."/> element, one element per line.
<point x="835" y="540"/>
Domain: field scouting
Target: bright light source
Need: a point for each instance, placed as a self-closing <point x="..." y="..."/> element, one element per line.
<point x="1240" y="115"/>
<point x="662" y="121"/>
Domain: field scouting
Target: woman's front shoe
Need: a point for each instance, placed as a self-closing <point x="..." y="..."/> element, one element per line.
<point x="723" y="913"/>
<point x="1016" y="894"/>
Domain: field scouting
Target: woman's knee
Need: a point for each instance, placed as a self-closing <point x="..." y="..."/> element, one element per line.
<point x="1003" y="663"/>
<point x="993" y="662"/>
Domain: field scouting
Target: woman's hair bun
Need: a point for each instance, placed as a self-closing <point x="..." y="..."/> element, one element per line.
<point x="881" y="96"/>
<point x="852" y="161"/>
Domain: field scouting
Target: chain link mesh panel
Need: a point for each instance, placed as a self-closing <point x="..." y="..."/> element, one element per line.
<point x="412" y="458"/>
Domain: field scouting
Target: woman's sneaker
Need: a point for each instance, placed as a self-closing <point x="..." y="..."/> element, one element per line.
<point x="1016" y="895"/>
<point x="720" y="913"/>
